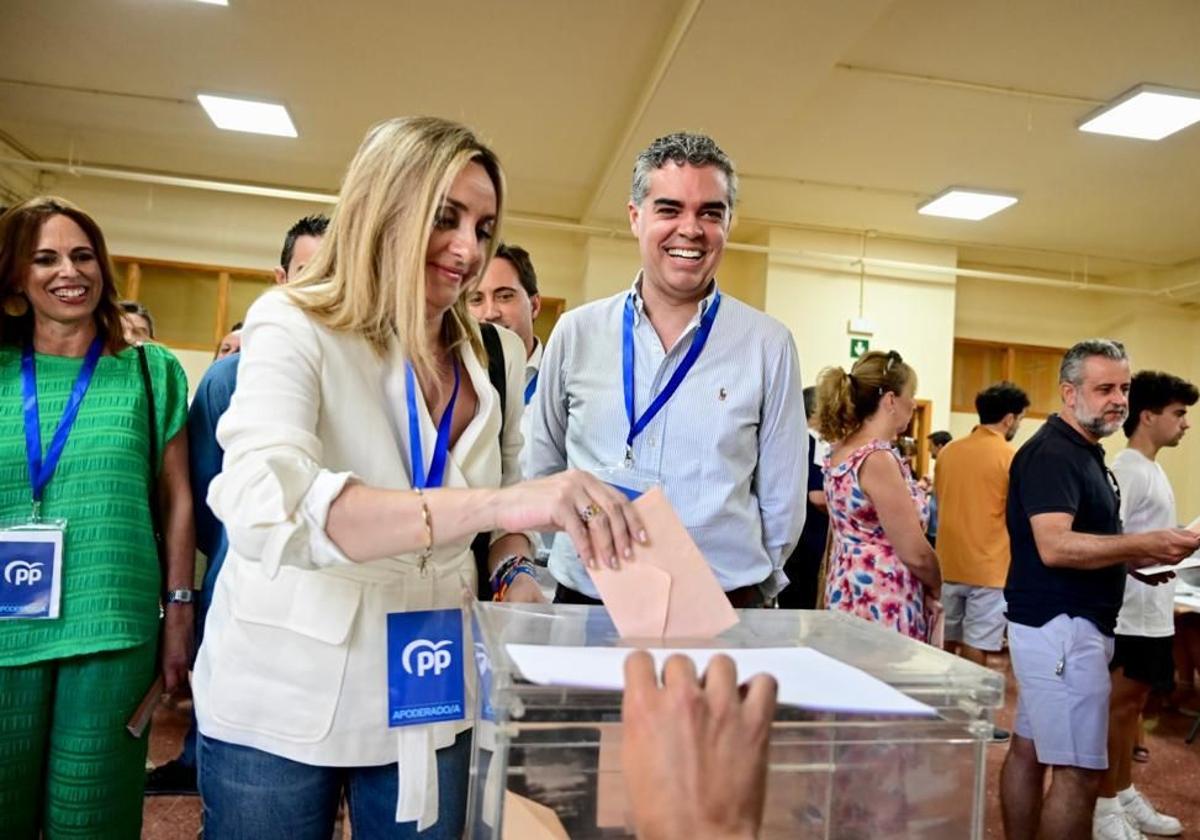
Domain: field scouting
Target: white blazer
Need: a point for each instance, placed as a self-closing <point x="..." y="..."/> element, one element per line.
<point x="294" y="659"/>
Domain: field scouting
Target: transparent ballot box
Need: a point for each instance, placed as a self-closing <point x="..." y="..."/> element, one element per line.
<point x="832" y="775"/>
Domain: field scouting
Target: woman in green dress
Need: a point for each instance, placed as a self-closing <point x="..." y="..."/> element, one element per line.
<point x="75" y="451"/>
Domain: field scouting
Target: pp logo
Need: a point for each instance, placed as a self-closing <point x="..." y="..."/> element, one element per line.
<point x="23" y="572"/>
<point x="429" y="657"/>
<point x="482" y="661"/>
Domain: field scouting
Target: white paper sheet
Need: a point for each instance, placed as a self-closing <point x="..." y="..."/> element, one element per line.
<point x="1187" y="596"/>
<point x="1187" y="563"/>
<point x="1188" y="602"/>
<point x="807" y="678"/>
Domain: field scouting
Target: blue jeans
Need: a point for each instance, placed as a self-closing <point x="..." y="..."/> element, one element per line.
<point x="251" y="794"/>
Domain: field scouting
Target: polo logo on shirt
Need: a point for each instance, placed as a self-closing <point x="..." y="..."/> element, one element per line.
<point x="721" y="395"/>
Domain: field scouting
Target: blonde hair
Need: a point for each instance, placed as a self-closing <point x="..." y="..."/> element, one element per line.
<point x="846" y="400"/>
<point x="368" y="276"/>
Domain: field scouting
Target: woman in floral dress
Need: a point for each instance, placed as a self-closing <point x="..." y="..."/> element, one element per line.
<point x="881" y="567"/>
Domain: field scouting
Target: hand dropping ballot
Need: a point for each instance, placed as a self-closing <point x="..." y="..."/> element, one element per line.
<point x="666" y="590"/>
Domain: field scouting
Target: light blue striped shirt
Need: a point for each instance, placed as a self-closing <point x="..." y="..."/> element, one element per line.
<point x="729" y="448"/>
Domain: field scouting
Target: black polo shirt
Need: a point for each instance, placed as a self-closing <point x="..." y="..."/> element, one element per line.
<point x="1059" y="471"/>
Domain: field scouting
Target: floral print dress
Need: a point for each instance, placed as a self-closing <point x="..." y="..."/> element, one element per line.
<point x="865" y="575"/>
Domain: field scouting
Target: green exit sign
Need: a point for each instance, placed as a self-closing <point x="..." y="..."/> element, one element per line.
<point x="858" y="346"/>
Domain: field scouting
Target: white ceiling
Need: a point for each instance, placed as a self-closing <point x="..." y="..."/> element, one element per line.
<point x="817" y="101"/>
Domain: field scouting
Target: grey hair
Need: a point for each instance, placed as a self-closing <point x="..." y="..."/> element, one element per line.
<point x="681" y="148"/>
<point x="1071" y="369"/>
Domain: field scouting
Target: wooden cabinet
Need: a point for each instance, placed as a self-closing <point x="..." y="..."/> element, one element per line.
<point x="193" y="305"/>
<point x="978" y="364"/>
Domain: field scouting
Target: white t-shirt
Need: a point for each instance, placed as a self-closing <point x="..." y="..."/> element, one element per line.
<point x="1147" y="504"/>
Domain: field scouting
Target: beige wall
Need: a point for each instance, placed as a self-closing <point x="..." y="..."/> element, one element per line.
<point x="558" y="258"/>
<point x="913" y="316"/>
<point x="188" y="225"/>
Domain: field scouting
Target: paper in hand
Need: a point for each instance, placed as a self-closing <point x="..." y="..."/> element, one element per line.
<point x="667" y="589"/>
<point x="1187" y="563"/>
<point x="1162" y="568"/>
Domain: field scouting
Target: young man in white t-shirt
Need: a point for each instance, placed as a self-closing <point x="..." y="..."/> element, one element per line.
<point x="1142" y="655"/>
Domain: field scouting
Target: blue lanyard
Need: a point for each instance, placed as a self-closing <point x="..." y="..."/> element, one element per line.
<point x="636" y="425"/>
<point x="41" y="470"/>
<point x="531" y="386"/>
<point x="441" y="447"/>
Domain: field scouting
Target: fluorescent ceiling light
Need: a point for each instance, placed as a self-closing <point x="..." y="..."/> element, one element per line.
<point x="248" y="115"/>
<point x="1147" y="112"/>
<point x="960" y="203"/>
<point x="214" y="2"/>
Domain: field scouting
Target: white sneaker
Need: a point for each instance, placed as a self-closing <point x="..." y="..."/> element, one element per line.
<point x="1114" y="825"/>
<point x="1143" y="815"/>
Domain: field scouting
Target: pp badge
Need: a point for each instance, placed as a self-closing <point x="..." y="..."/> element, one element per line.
<point x="425" y="667"/>
<point x="30" y="572"/>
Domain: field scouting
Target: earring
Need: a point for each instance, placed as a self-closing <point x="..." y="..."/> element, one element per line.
<point x="16" y="305"/>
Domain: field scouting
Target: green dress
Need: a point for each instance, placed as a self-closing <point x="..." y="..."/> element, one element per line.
<point x="110" y="567"/>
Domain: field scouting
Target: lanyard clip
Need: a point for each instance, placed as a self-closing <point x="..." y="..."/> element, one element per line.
<point x="628" y="456"/>
<point x="35" y="513"/>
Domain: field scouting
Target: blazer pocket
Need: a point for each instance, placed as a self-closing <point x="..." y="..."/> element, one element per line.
<point x="284" y="652"/>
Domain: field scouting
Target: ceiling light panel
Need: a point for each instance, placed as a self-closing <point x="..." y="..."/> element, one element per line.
<point x="214" y="2"/>
<point x="1148" y="112"/>
<point x="247" y="115"/>
<point x="960" y="203"/>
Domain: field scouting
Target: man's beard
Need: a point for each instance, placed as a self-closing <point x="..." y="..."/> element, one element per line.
<point x="1095" y="424"/>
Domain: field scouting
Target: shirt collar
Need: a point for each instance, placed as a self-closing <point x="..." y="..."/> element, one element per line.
<point x="534" y="362"/>
<point x="1066" y="430"/>
<point x="639" y="305"/>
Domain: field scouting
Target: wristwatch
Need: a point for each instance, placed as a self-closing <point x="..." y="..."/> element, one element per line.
<point x="181" y="596"/>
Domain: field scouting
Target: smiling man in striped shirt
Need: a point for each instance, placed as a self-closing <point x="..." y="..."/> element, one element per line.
<point x="706" y="400"/>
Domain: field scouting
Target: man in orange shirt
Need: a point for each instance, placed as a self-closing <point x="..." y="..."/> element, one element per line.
<point x="972" y="489"/>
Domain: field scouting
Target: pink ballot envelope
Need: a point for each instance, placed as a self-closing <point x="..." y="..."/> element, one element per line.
<point x="525" y="819"/>
<point x="666" y="590"/>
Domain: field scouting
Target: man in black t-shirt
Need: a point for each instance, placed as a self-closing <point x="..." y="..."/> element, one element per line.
<point x="1064" y="589"/>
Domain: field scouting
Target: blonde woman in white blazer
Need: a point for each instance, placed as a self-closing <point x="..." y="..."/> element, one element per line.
<point x="327" y="535"/>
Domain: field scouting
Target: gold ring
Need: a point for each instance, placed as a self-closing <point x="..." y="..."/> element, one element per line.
<point x="590" y="512"/>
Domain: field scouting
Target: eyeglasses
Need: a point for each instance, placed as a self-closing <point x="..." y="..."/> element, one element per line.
<point x="1113" y="483"/>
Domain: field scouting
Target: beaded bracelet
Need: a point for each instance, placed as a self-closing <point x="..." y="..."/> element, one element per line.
<point x="508" y="572"/>
<point x="503" y="567"/>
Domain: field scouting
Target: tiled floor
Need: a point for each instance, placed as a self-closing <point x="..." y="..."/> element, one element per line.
<point x="169" y="817"/>
<point x="1171" y="780"/>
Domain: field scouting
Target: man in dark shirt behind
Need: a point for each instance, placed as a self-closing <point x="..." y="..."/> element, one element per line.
<point x="1064" y="590"/>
